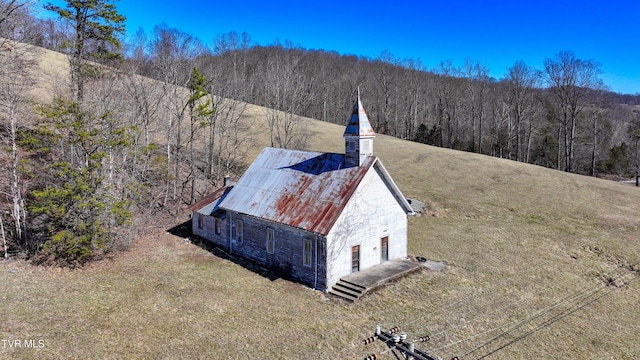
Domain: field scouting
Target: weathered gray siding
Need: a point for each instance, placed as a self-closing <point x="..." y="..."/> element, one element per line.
<point x="374" y="209"/>
<point x="371" y="214"/>
<point x="288" y="252"/>
<point x="208" y="229"/>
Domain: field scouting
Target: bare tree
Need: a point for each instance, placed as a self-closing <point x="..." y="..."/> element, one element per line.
<point x="570" y="80"/>
<point x="7" y="8"/>
<point x="598" y="113"/>
<point x="16" y="63"/>
<point x="415" y="92"/>
<point x="448" y="104"/>
<point x="171" y="59"/>
<point x="14" y="83"/>
<point x="477" y="77"/>
<point x="285" y="87"/>
<point x="385" y="88"/>
<point x="232" y="49"/>
<point x="233" y="131"/>
<point x="523" y="83"/>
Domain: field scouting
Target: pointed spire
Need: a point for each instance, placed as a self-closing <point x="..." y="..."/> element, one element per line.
<point x="359" y="124"/>
<point x="358" y="136"/>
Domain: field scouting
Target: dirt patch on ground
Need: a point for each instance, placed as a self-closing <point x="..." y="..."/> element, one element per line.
<point x="199" y="256"/>
<point x="433" y="210"/>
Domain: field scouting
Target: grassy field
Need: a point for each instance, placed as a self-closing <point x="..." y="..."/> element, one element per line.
<point x="540" y="264"/>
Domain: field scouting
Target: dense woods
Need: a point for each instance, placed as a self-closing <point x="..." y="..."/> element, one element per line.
<point x="561" y="116"/>
<point x="149" y="124"/>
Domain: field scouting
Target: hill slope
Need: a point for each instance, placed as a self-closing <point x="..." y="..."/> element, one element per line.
<point x="540" y="264"/>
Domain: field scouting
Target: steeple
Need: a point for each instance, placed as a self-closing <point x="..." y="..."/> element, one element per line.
<point x="358" y="136"/>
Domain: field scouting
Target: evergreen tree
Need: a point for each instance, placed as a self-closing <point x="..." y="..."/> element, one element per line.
<point x="77" y="210"/>
<point x="422" y="134"/>
<point x="97" y="24"/>
<point x="199" y="109"/>
<point x="619" y="162"/>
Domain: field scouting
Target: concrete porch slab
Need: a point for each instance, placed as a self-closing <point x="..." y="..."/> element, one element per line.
<point x="380" y="274"/>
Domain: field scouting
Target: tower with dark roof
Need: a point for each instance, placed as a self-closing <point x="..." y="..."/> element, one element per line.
<point x="358" y="136"/>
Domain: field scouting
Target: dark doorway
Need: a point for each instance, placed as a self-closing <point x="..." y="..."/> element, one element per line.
<point x="355" y="258"/>
<point x="384" y="249"/>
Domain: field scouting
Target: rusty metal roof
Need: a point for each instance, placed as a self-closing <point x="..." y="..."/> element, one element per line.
<point x="303" y="189"/>
<point x="359" y="124"/>
<point x="208" y="204"/>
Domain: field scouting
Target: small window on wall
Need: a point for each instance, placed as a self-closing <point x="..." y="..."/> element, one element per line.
<point x="200" y="221"/>
<point x="306" y="253"/>
<point x="239" y="231"/>
<point x="217" y="226"/>
<point x="270" y="241"/>
<point x="366" y="146"/>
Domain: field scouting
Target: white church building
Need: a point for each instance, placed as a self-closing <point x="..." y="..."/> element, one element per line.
<point x="314" y="216"/>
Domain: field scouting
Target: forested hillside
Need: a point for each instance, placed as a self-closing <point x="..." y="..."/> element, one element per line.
<point x="561" y="116"/>
<point x="154" y="122"/>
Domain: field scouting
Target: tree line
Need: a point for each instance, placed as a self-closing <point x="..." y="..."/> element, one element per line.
<point x="147" y="125"/>
<point x="562" y="116"/>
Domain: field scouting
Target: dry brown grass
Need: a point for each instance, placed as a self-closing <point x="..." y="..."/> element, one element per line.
<point x="544" y="257"/>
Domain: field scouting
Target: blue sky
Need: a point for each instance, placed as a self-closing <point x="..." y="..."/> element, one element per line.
<point x="495" y="33"/>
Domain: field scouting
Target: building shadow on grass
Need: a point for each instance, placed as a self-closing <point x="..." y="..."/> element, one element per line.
<point x="183" y="231"/>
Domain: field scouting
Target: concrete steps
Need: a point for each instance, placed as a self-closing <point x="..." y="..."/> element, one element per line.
<point x="353" y="286"/>
<point x="347" y="290"/>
